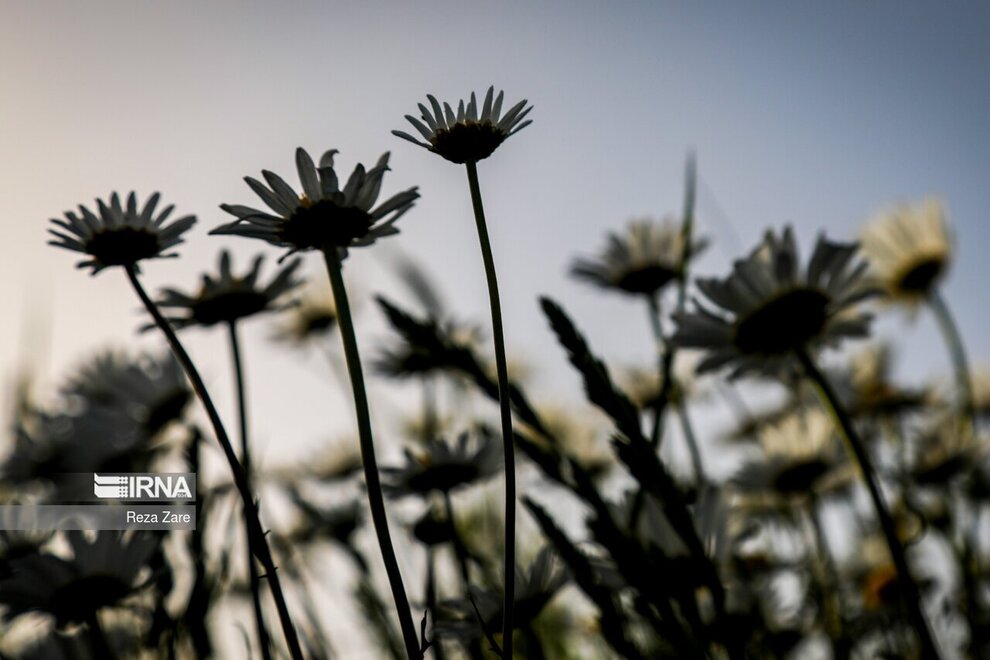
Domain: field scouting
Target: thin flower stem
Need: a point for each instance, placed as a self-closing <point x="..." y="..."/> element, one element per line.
<point x="690" y="438"/>
<point x="957" y="352"/>
<point x="502" y="370"/>
<point x="98" y="638"/>
<point x="237" y="471"/>
<point x="910" y="594"/>
<point x="376" y="499"/>
<point x="259" y="616"/>
<point x="459" y="550"/>
<point x="687" y="238"/>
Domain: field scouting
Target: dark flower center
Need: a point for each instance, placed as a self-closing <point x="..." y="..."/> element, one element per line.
<point x="943" y="471"/>
<point x="920" y="277"/>
<point x="325" y="223"/>
<point x="318" y="323"/>
<point x="467" y="142"/>
<point x="646" y="280"/>
<point x="165" y="410"/>
<point x="78" y="600"/>
<point x="443" y="478"/>
<point x="800" y="477"/>
<point x="784" y="323"/>
<point x="433" y="530"/>
<point x="122" y="246"/>
<point x="228" y="306"/>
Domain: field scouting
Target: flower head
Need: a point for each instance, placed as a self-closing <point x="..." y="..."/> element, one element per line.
<point x="225" y="297"/>
<point x="101" y="573"/>
<point x="800" y="456"/>
<point x="150" y="390"/>
<point x="312" y="318"/>
<point x="641" y="261"/>
<point x="467" y="136"/>
<point x="443" y="466"/>
<point x="325" y="215"/>
<point x="770" y="306"/>
<point x="119" y="235"/>
<point x="534" y="589"/>
<point x="909" y="249"/>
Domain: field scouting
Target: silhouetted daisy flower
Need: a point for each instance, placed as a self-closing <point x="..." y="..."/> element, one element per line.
<point x="226" y="298"/>
<point x="770" y="306"/>
<point x="313" y="317"/>
<point x="946" y="453"/>
<point x="50" y="446"/>
<point x="443" y="466"/>
<point x="909" y="249"/>
<point x="324" y="215"/>
<point x="118" y="235"/>
<point x="468" y="135"/>
<point x="800" y="456"/>
<point x="642" y="260"/>
<point x="101" y="573"/>
<point x="872" y="391"/>
<point x="534" y="589"/>
<point x="152" y="390"/>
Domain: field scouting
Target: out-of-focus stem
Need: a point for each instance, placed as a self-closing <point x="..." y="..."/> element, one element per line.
<point x="259" y="615"/>
<point x="910" y="594"/>
<point x="957" y="352"/>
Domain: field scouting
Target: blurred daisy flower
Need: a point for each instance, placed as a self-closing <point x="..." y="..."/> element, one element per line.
<point x="800" y="457"/>
<point x="770" y="306"/>
<point x="119" y="235"/>
<point x="324" y="215"/>
<point x="946" y="453"/>
<point x="50" y="446"/>
<point x="226" y="298"/>
<point x="468" y="135"/>
<point x="535" y="588"/>
<point x="909" y="249"/>
<point x="872" y="390"/>
<point x="312" y="318"/>
<point x="642" y="260"/>
<point x="441" y="466"/>
<point x="151" y="390"/>
<point x="101" y="573"/>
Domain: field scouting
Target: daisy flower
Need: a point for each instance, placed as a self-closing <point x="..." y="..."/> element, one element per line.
<point x="226" y="298"/>
<point x="535" y="587"/>
<point x="152" y="390"/>
<point x="909" y="249"/>
<point x="101" y="573"/>
<point x="442" y="466"/>
<point x="324" y="215"/>
<point x="468" y="135"/>
<point x="119" y="235"/>
<point x="800" y="457"/>
<point x="769" y="306"/>
<point x="642" y="260"/>
<point x="311" y="319"/>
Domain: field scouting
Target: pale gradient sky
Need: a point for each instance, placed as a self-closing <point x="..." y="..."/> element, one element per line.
<point x="815" y="114"/>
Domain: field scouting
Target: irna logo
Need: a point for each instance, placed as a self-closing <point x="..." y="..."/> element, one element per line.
<point x="142" y="487"/>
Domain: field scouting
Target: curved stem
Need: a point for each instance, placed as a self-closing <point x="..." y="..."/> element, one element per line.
<point x="957" y="352"/>
<point x="376" y="499"/>
<point x="910" y="594"/>
<point x="692" y="442"/>
<point x="501" y="367"/>
<point x="259" y="615"/>
<point x="252" y="521"/>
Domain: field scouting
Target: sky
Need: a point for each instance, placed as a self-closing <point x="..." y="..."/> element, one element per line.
<point x="813" y="114"/>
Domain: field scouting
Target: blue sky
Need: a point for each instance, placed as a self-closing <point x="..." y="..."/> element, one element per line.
<point x="811" y="114"/>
